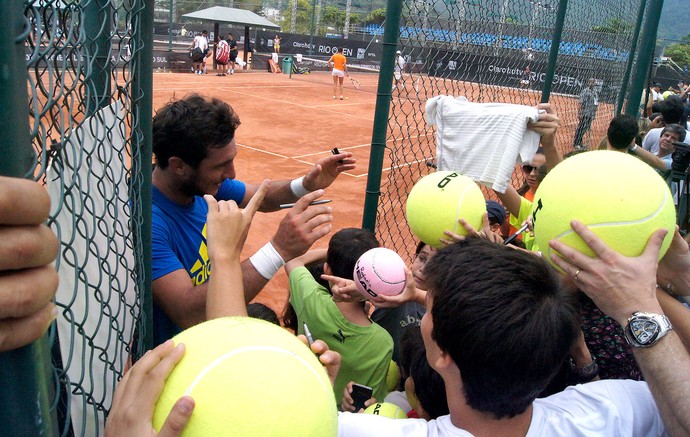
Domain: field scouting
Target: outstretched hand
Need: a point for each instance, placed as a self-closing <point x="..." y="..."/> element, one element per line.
<point x="675" y="263"/>
<point x="343" y="290"/>
<point x="547" y="123"/>
<point x="348" y="404"/>
<point x="330" y="359"/>
<point x="485" y="232"/>
<point x="227" y="225"/>
<point x="302" y="227"/>
<point x="327" y="169"/>
<point x="409" y="294"/>
<point x="617" y="284"/>
<point x="136" y="395"/>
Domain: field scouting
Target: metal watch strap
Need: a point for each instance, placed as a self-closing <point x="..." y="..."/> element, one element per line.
<point x="663" y="322"/>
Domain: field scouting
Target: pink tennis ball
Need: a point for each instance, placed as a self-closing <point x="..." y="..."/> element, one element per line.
<point x="380" y="271"/>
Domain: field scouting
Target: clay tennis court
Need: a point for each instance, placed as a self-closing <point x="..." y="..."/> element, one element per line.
<point x="290" y="123"/>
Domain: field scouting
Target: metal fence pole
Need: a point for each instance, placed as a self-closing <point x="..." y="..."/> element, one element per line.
<point x="383" y="104"/>
<point x="631" y="57"/>
<point x="26" y="373"/>
<point x="141" y="164"/>
<point x="97" y="24"/>
<point x="646" y="54"/>
<point x="553" y="53"/>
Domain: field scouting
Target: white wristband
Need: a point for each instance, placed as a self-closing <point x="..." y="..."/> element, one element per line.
<point x="633" y="148"/>
<point x="267" y="261"/>
<point x="297" y="187"/>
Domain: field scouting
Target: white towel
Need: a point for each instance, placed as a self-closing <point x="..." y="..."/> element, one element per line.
<point x="482" y="140"/>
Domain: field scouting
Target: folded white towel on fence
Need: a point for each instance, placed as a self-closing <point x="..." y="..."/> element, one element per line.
<point x="482" y="140"/>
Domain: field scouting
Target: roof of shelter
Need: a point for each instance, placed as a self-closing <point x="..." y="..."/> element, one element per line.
<point x="221" y="14"/>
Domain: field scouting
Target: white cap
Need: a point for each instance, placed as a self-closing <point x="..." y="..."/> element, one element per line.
<point x="398" y="52"/>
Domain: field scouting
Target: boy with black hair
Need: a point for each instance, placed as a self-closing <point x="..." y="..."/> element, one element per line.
<point x="365" y="347"/>
<point x="622" y="132"/>
<point x="497" y="328"/>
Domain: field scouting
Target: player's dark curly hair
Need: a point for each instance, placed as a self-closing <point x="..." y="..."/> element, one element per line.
<point x="188" y="127"/>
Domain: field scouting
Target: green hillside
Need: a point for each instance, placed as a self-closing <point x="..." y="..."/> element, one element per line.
<point x="675" y="20"/>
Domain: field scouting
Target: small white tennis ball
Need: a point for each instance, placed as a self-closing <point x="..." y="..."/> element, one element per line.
<point x="249" y="378"/>
<point x="438" y="201"/>
<point x="386" y="409"/>
<point x="620" y="198"/>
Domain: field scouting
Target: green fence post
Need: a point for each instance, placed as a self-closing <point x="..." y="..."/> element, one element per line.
<point x="141" y="164"/>
<point x="313" y="27"/>
<point x="26" y="373"/>
<point x="97" y="24"/>
<point x="631" y="57"/>
<point x="644" y="60"/>
<point x="553" y="53"/>
<point x="383" y="103"/>
<point x="170" y="26"/>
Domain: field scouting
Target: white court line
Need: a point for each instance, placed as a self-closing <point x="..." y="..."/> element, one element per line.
<point x="263" y="151"/>
<point x="286" y="157"/>
<point x="396" y="166"/>
<point x="301" y="106"/>
<point x="357" y="146"/>
<point x="345" y="173"/>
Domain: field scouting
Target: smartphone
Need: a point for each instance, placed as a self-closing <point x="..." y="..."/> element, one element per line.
<point x="361" y="394"/>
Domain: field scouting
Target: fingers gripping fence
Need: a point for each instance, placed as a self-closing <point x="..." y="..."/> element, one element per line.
<point x="496" y="51"/>
<point x="88" y="122"/>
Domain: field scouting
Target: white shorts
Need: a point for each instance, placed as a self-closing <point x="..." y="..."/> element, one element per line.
<point x="337" y="73"/>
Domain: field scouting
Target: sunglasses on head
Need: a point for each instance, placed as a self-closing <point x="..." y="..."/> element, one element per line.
<point x="528" y="168"/>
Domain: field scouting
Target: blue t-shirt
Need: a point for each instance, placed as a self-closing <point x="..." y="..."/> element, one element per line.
<point x="178" y="234"/>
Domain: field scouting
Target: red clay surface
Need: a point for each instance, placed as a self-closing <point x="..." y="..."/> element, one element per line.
<point x="288" y="124"/>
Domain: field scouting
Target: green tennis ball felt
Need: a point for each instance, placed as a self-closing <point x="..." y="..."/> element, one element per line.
<point x="438" y="201"/>
<point x="393" y="376"/>
<point x="386" y="409"/>
<point x="620" y="198"/>
<point x="249" y="377"/>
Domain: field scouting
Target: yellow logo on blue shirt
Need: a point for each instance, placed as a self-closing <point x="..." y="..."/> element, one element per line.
<point x="202" y="268"/>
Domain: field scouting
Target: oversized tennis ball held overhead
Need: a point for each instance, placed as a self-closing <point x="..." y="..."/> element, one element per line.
<point x="438" y="201"/>
<point x="620" y="198"/>
<point x="249" y="378"/>
<point x="379" y="271"/>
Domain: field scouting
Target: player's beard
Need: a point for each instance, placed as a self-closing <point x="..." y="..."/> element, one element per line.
<point x="190" y="187"/>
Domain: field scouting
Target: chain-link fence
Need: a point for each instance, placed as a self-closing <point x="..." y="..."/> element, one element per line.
<point x="497" y="51"/>
<point x="89" y="113"/>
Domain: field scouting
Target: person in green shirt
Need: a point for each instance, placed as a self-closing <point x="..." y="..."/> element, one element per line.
<point x="365" y="347"/>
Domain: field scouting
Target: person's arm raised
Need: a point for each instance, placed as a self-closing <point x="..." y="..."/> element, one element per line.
<point x="320" y="176"/>
<point x="227" y="226"/>
<point x="546" y="126"/>
<point x="620" y="286"/>
<point x="302" y="226"/>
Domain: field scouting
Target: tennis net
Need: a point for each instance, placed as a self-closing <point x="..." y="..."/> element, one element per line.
<point x="315" y="69"/>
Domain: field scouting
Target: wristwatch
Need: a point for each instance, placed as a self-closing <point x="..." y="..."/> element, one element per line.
<point x="646" y="329"/>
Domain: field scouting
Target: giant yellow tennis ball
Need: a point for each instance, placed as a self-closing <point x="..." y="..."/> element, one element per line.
<point x="620" y="198"/>
<point x="249" y="377"/>
<point x="386" y="409"/>
<point x="438" y="201"/>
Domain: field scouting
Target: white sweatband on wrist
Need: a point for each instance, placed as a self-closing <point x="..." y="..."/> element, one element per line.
<point x="267" y="261"/>
<point x="297" y="187"/>
<point x="633" y="148"/>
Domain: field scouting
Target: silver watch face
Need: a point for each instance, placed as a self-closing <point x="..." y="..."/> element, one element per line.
<point x="645" y="331"/>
